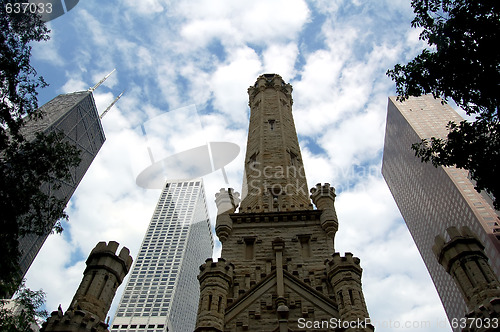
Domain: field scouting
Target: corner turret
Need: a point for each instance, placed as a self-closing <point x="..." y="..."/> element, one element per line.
<point x="464" y="259"/>
<point x="323" y="196"/>
<point x="344" y="274"/>
<point x="215" y="279"/>
<point x="227" y="201"/>
<point x="104" y="273"/>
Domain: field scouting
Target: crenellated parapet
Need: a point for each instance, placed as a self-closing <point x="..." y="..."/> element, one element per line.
<point x="344" y="274"/>
<point x="74" y="321"/>
<point x="464" y="259"/>
<point x="227" y="202"/>
<point x="273" y="81"/>
<point x="215" y="279"/>
<point x="323" y="196"/>
<point x="484" y="317"/>
<point x="104" y="273"/>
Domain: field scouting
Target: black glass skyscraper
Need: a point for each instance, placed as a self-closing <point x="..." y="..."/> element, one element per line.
<point x="75" y="115"/>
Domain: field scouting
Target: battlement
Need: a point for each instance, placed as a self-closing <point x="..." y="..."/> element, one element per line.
<point x="323" y="196"/>
<point x="462" y="242"/>
<point x="487" y="311"/>
<point x="111" y="248"/>
<point x="344" y="274"/>
<point x="227" y="200"/>
<point x="338" y="265"/>
<point x="347" y="260"/>
<point x="104" y="254"/>
<point x="215" y="279"/>
<point x="74" y="320"/>
<point x="219" y="266"/>
<point x="266" y="81"/>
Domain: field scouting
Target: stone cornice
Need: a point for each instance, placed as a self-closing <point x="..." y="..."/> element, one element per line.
<point x="262" y="218"/>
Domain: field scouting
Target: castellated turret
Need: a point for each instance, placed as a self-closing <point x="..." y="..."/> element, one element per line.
<point x="464" y="259"/>
<point x="104" y="273"/>
<point x="227" y="201"/>
<point x="344" y="274"/>
<point x="323" y="196"/>
<point x="215" y="279"/>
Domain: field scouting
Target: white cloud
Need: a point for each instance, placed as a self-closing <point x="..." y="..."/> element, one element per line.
<point x="259" y="22"/>
<point x="74" y="84"/>
<point x="355" y="140"/>
<point x="89" y="24"/>
<point x="281" y="59"/>
<point x="327" y="6"/>
<point x="231" y="80"/>
<point x="201" y="32"/>
<point x="49" y="51"/>
<point x="147" y="7"/>
<point x="53" y="264"/>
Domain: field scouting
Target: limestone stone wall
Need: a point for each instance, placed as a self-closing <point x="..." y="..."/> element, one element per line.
<point x="274" y="172"/>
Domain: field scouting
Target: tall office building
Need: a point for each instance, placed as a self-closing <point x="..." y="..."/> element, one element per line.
<point x="75" y="115"/>
<point x="278" y="270"/>
<point x="433" y="199"/>
<point x="162" y="292"/>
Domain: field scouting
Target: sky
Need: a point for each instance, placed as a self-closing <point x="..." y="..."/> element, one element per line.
<point x="185" y="67"/>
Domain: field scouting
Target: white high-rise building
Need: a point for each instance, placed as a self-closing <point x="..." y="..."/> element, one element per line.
<point x="162" y="292"/>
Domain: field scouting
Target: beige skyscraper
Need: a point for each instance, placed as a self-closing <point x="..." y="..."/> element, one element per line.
<point x="278" y="270"/>
<point x="433" y="199"/>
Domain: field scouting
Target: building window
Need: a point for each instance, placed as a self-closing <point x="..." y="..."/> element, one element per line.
<point x="305" y="245"/>
<point x="271" y="124"/>
<point x="293" y="158"/>
<point x="253" y="159"/>
<point x="249" y="247"/>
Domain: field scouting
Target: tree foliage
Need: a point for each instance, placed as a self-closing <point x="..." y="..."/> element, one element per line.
<point x="18" y="78"/>
<point x="29" y="168"/>
<point x="24" y="313"/>
<point x="462" y="64"/>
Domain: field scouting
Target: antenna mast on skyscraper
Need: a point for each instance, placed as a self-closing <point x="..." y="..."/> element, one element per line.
<point x="101" y="81"/>
<point x="111" y="105"/>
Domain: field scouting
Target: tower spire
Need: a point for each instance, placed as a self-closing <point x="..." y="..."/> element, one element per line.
<point x="111" y="105"/>
<point x="274" y="177"/>
<point x="101" y="81"/>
